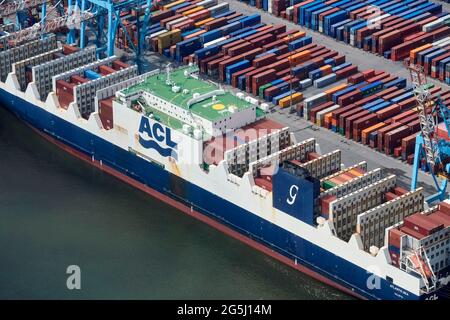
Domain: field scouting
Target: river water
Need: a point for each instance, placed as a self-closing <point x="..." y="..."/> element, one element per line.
<point x="57" y="211"/>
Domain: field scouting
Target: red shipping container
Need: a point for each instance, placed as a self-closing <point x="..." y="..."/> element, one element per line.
<point x="421" y="224"/>
<point x="366" y="100"/>
<point x="202" y="63"/>
<point x="350" y="120"/>
<point x="392" y="139"/>
<point x="444" y="207"/>
<point x="119" y="65"/>
<point x="261" y="79"/>
<point x="233" y="44"/>
<point x="381" y="133"/>
<point x="343" y="116"/>
<point x="320" y="107"/>
<point x="349" y="98"/>
<point x="388" y="112"/>
<point x="363" y="123"/>
<point x="240" y="49"/>
<point x="264" y="60"/>
<point x="408" y="145"/>
<point x="105" y="112"/>
<point x="237" y="74"/>
<point x="261" y="41"/>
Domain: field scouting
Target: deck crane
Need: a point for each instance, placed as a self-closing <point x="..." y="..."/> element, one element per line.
<point x="435" y="150"/>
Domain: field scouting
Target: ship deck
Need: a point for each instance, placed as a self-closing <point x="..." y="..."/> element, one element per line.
<point x="210" y="109"/>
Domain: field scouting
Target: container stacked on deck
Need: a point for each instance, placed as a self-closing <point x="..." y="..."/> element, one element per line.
<point x="425" y="232"/>
<point x="375" y="109"/>
<point x="388" y="28"/>
<point x="352" y="198"/>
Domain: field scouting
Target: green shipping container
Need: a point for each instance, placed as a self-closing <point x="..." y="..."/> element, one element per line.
<point x="328" y="185"/>
<point x="262" y="88"/>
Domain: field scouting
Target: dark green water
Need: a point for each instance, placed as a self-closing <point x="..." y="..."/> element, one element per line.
<point x="57" y="211"/>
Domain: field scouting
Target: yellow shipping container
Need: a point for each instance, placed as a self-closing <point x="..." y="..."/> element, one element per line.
<point x="170" y="5"/>
<point x="200" y="23"/>
<point x="188" y="12"/>
<point x="286" y="101"/>
<point x="169" y="38"/>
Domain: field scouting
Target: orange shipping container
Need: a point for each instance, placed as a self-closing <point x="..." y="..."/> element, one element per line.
<point x="294" y="36"/>
<point x="299" y="57"/>
<point x="413" y="53"/>
<point x="202" y="22"/>
<point x="193" y="35"/>
<point x="327" y="121"/>
<point x="365" y="132"/>
<point x="335" y="89"/>
<point x="194" y="10"/>
<point x="326" y="70"/>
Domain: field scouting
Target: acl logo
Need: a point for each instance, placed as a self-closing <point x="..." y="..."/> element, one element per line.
<point x="157" y="134"/>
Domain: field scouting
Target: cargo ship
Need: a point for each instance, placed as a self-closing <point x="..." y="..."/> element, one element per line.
<point x="216" y="156"/>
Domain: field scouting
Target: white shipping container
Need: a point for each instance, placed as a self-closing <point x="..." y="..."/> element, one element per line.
<point x="305" y="83"/>
<point x="157" y="33"/>
<point x="445" y="20"/>
<point x="269" y="7"/>
<point x="324" y="81"/>
<point x="207" y="44"/>
<point x="289" y="10"/>
<point x="352" y="40"/>
<point x="313" y="101"/>
<point x="207" y="3"/>
<point x="219" y="8"/>
<point x="373" y="22"/>
<point x="436" y="43"/>
<point x="320" y="116"/>
<point x="444" y="43"/>
<point x="171" y="23"/>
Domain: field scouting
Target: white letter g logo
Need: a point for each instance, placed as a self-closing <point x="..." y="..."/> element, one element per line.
<point x="292" y="194"/>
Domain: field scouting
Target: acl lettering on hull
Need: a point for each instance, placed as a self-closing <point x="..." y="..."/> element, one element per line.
<point x="154" y="135"/>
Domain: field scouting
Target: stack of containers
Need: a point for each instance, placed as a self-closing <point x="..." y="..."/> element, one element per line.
<point x="392" y="29"/>
<point x="264" y="60"/>
<point x="373" y="108"/>
<point x="434" y="58"/>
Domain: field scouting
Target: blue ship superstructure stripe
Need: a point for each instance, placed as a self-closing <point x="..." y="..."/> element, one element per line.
<point x="280" y="240"/>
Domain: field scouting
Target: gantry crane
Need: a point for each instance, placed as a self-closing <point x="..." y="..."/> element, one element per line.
<point x="14" y="7"/>
<point x="435" y="150"/>
<point x="79" y="16"/>
<point x="111" y="10"/>
<point x="39" y="29"/>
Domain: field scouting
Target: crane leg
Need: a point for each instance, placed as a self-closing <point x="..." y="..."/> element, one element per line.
<point x="415" y="170"/>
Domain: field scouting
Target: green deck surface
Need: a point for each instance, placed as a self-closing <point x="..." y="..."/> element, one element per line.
<point x="157" y="86"/>
<point x="164" y="118"/>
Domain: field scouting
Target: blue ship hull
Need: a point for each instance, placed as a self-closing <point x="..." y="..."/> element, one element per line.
<point x="337" y="270"/>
